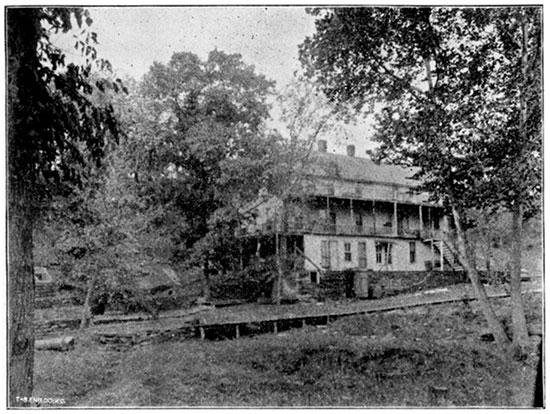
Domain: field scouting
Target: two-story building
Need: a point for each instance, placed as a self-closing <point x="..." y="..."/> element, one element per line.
<point x="352" y="213"/>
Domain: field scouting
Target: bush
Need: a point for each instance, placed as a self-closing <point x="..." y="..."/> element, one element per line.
<point x="252" y="283"/>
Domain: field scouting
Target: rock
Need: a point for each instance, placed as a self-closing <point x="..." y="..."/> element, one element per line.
<point x="534" y="329"/>
<point x="535" y="340"/>
<point x="202" y="301"/>
<point x="55" y="344"/>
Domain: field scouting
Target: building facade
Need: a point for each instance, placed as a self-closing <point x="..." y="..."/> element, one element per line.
<point x="354" y="214"/>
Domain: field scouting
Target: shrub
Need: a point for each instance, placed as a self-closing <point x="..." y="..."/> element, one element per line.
<point x="252" y="283"/>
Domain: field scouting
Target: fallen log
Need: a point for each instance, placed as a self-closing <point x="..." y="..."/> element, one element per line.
<point x="65" y="343"/>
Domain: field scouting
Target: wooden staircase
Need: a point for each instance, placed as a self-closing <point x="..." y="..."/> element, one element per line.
<point x="450" y="259"/>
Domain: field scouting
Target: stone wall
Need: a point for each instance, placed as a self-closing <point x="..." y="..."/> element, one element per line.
<point x="58" y="327"/>
<point x="47" y="295"/>
<point x="45" y="302"/>
<point x="393" y="283"/>
<point x="338" y="285"/>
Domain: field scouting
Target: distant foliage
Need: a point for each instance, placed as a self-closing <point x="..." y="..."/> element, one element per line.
<point x="203" y="149"/>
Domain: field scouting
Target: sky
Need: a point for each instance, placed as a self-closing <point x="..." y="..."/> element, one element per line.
<point x="132" y="38"/>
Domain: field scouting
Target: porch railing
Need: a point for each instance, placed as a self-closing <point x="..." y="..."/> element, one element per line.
<point x="325" y="228"/>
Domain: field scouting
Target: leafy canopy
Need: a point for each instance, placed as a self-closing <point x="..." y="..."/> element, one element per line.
<point x="206" y="151"/>
<point x="55" y="110"/>
<point x="460" y="90"/>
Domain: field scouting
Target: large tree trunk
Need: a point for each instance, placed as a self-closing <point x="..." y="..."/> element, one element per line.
<point x="87" y="308"/>
<point x="495" y="325"/>
<point x="519" y="324"/>
<point x="281" y="249"/>
<point x="279" y="280"/>
<point x="23" y="28"/>
<point x="20" y="294"/>
<point x="206" y="291"/>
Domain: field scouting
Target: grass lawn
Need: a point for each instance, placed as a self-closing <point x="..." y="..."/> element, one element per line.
<point x="385" y="359"/>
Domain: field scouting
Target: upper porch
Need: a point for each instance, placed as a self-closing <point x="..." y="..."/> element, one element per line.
<point x="350" y="217"/>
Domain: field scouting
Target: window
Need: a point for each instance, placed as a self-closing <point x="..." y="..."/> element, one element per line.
<point x="325" y="254"/>
<point x="332" y="218"/>
<point x="313" y="277"/>
<point x="268" y="219"/>
<point x="383" y="253"/>
<point x="299" y="222"/>
<point x="358" y="219"/>
<point x="412" y="252"/>
<point x="378" y="253"/>
<point x="347" y="252"/>
<point x="362" y="254"/>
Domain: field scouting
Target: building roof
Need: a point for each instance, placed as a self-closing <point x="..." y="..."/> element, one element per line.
<point x="156" y="276"/>
<point x="358" y="169"/>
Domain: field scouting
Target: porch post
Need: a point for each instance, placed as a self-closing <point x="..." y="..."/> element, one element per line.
<point x="430" y="223"/>
<point x="442" y="257"/>
<point x="395" y="218"/>
<point x="431" y="235"/>
<point x="432" y="249"/>
<point x="420" y="215"/>
<point x="373" y="217"/>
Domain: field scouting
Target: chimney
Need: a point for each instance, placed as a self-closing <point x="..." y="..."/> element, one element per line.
<point x="322" y="145"/>
<point x="351" y="150"/>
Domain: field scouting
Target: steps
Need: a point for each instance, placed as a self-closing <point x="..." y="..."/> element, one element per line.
<point x="451" y="261"/>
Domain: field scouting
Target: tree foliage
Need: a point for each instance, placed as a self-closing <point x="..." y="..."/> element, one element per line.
<point x="454" y="83"/>
<point x="461" y="92"/>
<point x="204" y="150"/>
<point x="66" y="127"/>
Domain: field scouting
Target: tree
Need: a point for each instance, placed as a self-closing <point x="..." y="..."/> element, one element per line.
<point x="103" y="235"/>
<point x="305" y="116"/>
<point x="208" y="149"/>
<point x="461" y="100"/>
<point x="53" y="128"/>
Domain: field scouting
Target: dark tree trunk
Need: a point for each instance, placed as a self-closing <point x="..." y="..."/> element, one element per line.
<point x="519" y="324"/>
<point x="206" y="291"/>
<point x="495" y="325"/>
<point x="281" y="247"/>
<point x="20" y="293"/>
<point x="23" y="27"/>
<point x="539" y="380"/>
<point x="278" y="281"/>
<point x="87" y="308"/>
